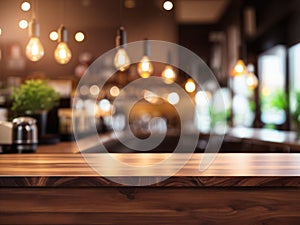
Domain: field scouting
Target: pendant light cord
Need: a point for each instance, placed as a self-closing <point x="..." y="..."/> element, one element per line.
<point x="34" y="9"/>
<point x="121" y="12"/>
<point x="62" y="10"/>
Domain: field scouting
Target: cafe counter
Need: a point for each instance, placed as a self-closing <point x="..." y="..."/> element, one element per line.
<point x="63" y="189"/>
<point x="56" y="185"/>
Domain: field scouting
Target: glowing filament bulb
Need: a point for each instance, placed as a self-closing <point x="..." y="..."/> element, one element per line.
<point x="62" y="53"/>
<point x="251" y="79"/>
<point x="239" y="68"/>
<point x="145" y="67"/>
<point x="122" y="61"/>
<point x="34" y="48"/>
<point x="168" y="74"/>
<point x="190" y="85"/>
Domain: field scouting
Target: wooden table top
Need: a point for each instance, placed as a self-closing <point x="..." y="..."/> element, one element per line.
<point x="228" y="169"/>
<point x="59" y="165"/>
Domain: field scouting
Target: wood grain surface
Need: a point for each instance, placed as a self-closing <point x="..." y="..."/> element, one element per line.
<point x="149" y="206"/>
<point x="226" y="170"/>
<point x="227" y="164"/>
<point x="62" y="189"/>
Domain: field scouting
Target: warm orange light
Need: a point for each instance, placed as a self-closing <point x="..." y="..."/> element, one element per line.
<point x="251" y="79"/>
<point x="145" y="67"/>
<point x="23" y="24"/>
<point x="168" y="5"/>
<point x="239" y="68"/>
<point x="53" y="36"/>
<point x="34" y="49"/>
<point x="62" y="53"/>
<point x="190" y="85"/>
<point x="114" y="91"/>
<point x="79" y="36"/>
<point x="168" y="74"/>
<point x="25" y="6"/>
<point x="122" y="60"/>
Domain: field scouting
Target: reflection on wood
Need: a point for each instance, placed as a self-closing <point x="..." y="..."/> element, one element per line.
<point x="226" y="170"/>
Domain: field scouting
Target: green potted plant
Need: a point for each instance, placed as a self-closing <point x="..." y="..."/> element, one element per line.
<point x="297" y="114"/>
<point x="275" y="104"/>
<point x="35" y="98"/>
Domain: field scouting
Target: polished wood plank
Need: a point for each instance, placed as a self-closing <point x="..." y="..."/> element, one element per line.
<point x="227" y="164"/>
<point x="226" y="170"/>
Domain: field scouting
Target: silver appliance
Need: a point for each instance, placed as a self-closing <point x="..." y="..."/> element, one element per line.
<point x="18" y="136"/>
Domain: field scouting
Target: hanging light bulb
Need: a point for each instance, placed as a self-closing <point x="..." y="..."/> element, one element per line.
<point x="121" y="60"/>
<point x="145" y="67"/>
<point x="34" y="48"/>
<point x="169" y="74"/>
<point x="239" y="68"/>
<point x="190" y="85"/>
<point x="251" y="79"/>
<point x="62" y="53"/>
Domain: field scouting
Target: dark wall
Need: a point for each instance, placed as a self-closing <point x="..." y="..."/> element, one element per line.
<point x="195" y="38"/>
<point x="278" y="22"/>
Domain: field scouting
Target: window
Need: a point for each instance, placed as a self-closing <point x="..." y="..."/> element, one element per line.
<point x="243" y="104"/>
<point x="294" y="56"/>
<point x="212" y="110"/>
<point x="272" y="71"/>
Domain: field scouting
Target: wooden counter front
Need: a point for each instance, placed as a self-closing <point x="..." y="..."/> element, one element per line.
<point x="237" y="188"/>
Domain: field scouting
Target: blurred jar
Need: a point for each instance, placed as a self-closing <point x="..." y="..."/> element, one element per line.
<point x="65" y="121"/>
<point x="3" y="114"/>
